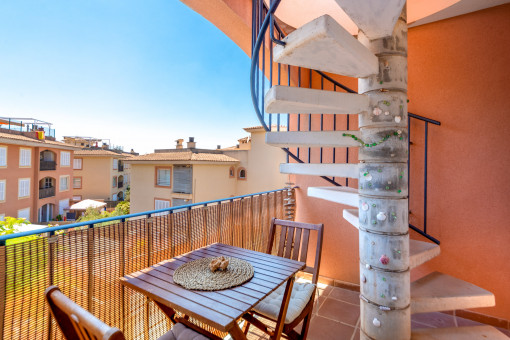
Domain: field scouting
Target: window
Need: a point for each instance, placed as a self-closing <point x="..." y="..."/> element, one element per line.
<point x="48" y="183"/>
<point x="64" y="183"/>
<point x="65" y="158"/>
<point x="183" y="179"/>
<point x="2" y="217"/>
<point x="77" y="198"/>
<point x="62" y="205"/>
<point x="24" y="213"/>
<point x="163" y="177"/>
<point x="76" y="182"/>
<point x="3" y="156"/>
<point x="115" y="164"/>
<point x="242" y="173"/>
<point x="114" y="182"/>
<point x="77" y="164"/>
<point x="231" y="172"/>
<point x="2" y="190"/>
<point x="114" y="197"/>
<point x="25" y="157"/>
<point x="23" y="187"/>
<point x="161" y="204"/>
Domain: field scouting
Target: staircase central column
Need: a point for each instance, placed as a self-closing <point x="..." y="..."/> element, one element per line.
<point x="383" y="192"/>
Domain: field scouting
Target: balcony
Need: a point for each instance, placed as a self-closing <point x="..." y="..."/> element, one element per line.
<point x="120" y="184"/>
<point x="46" y="192"/>
<point x="47" y="165"/>
<point x="87" y="260"/>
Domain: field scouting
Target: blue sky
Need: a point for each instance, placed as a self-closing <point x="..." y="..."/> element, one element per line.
<point x="142" y="73"/>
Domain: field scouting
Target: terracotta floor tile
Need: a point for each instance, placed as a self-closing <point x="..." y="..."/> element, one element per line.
<point x="325" y="329"/>
<point x="325" y="291"/>
<point x="345" y="295"/>
<point x="461" y="322"/>
<point x="434" y="319"/>
<point x="415" y="324"/>
<point x="504" y="331"/>
<point x="339" y="311"/>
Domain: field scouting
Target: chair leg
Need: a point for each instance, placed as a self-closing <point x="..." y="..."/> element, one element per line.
<point x="246" y="327"/>
<point x="306" y="325"/>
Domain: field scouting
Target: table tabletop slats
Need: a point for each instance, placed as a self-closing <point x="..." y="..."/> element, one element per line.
<point x="222" y="308"/>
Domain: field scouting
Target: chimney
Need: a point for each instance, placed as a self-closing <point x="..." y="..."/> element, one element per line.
<point x="179" y="143"/>
<point x="191" y="144"/>
<point x="218" y="146"/>
<point x="132" y="151"/>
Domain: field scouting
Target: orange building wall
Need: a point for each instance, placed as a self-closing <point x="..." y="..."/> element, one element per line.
<point x="13" y="172"/>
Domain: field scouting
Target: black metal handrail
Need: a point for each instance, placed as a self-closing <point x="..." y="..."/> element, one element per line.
<point x="47" y="165"/>
<point x="262" y="19"/>
<point x="46" y="192"/>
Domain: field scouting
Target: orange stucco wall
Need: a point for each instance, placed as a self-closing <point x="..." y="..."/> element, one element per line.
<point x="13" y="172"/>
<point x="458" y="74"/>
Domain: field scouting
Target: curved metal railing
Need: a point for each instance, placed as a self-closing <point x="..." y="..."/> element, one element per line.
<point x="261" y="79"/>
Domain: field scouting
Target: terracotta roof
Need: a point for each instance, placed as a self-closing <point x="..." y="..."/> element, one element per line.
<point x="49" y="143"/>
<point x="184" y="156"/>
<point x="98" y="152"/>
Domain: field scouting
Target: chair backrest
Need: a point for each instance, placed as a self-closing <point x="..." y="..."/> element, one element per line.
<point x="293" y="242"/>
<point x="75" y="322"/>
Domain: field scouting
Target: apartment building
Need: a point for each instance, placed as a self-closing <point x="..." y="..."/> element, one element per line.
<point x="35" y="175"/>
<point x="174" y="177"/>
<point x="100" y="174"/>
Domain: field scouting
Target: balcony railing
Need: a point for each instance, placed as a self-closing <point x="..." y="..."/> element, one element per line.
<point x="48" y="165"/>
<point x="47" y="192"/>
<point x="85" y="260"/>
<point x="120" y="184"/>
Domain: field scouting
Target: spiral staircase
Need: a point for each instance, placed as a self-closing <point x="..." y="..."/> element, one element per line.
<point x="378" y="57"/>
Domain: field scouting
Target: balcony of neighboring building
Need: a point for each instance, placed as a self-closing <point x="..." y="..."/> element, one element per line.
<point x="47" y="187"/>
<point x="47" y="160"/>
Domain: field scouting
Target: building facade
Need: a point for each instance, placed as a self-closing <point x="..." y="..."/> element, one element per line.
<point x="174" y="177"/>
<point x="35" y="177"/>
<point x="100" y="174"/>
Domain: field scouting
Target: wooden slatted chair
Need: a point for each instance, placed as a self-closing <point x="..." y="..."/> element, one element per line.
<point x="77" y="323"/>
<point x="292" y="244"/>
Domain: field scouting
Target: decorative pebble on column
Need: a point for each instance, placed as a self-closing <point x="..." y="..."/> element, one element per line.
<point x="384" y="259"/>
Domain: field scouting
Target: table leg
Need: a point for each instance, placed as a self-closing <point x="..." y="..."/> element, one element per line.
<point x="169" y="312"/>
<point x="283" y="311"/>
<point x="236" y="333"/>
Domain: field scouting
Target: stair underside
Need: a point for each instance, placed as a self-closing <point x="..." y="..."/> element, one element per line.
<point x="458" y="333"/>
<point x="324" y="45"/>
<point x="318" y="169"/>
<point x="375" y="18"/>
<point x="312" y="139"/>
<point x="440" y="292"/>
<point x="285" y="99"/>
<point x="342" y="195"/>
<point x="419" y="251"/>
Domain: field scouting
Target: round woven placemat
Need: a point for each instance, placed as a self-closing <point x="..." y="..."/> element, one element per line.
<point x="196" y="274"/>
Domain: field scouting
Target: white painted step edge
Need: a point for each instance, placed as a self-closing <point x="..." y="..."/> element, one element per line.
<point x="342" y="195"/>
<point x="314" y="169"/>
<point x="285" y="99"/>
<point x="312" y="139"/>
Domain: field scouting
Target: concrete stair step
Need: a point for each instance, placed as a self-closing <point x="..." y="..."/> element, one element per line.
<point x="440" y="292"/>
<point x="314" y="169"/>
<point x="342" y="195"/>
<point x="458" y="333"/>
<point x="419" y="251"/>
<point x="312" y="139"/>
<point x="285" y="99"/>
<point x="374" y="17"/>
<point x="322" y="44"/>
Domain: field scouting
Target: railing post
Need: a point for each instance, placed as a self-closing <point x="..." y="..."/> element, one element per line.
<point x="171" y="232"/>
<point x="148" y="224"/>
<point x="205" y="224"/>
<point x="218" y="222"/>
<point x="122" y="270"/>
<point x="188" y="222"/>
<point x="90" y="267"/>
<point x="232" y="220"/>
<point x="3" y="285"/>
<point x="52" y="238"/>
<point x="425" y="179"/>
<point x="252" y="205"/>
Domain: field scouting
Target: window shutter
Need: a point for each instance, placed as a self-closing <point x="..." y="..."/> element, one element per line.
<point x="183" y="179"/>
<point x="24" y="157"/>
<point x="164" y="177"/>
<point x="161" y="204"/>
<point x="77" y="163"/>
<point x="115" y="164"/>
<point x="3" y="156"/>
<point x="23" y="187"/>
<point x="2" y="190"/>
<point x="65" y="158"/>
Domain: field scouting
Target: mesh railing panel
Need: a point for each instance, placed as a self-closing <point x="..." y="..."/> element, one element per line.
<point x="86" y="264"/>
